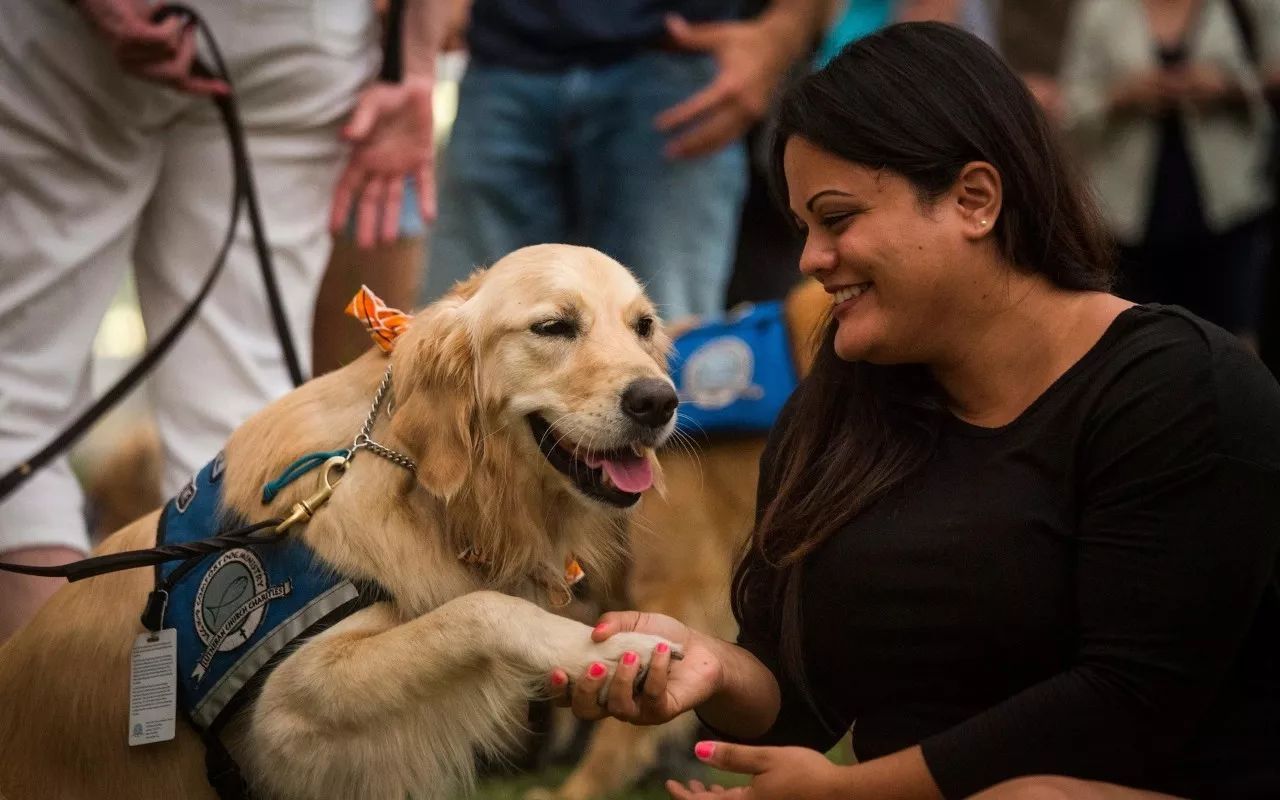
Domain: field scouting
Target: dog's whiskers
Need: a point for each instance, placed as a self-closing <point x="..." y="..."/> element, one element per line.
<point x="569" y="430"/>
<point x="685" y="443"/>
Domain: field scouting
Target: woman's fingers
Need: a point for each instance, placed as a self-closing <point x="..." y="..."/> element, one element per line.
<point x="655" y="683"/>
<point x="678" y="791"/>
<point x="696" y="791"/>
<point x="621" y="697"/>
<point x="559" y="689"/>
<point x="586" y="693"/>
<point x="614" y="622"/>
<point x="597" y="695"/>
<point x="639" y="622"/>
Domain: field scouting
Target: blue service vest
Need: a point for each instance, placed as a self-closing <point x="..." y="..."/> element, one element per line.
<point x="733" y="375"/>
<point x="236" y="611"/>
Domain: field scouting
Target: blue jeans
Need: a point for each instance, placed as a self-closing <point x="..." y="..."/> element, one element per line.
<point x="573" y="156"/>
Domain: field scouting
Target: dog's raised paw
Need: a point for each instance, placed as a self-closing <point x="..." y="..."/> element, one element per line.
<point x="642" y="644"/>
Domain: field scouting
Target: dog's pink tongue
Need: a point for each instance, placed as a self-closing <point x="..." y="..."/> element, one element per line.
<point x="630" y="474"/>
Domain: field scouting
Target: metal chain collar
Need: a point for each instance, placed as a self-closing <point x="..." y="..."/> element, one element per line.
<point x="364" y="441"/>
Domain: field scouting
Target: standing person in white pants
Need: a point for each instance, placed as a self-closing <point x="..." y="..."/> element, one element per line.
<point x="112" y="156"/>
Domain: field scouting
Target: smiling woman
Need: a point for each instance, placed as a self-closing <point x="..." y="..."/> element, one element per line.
<point x="1010" y="524"/>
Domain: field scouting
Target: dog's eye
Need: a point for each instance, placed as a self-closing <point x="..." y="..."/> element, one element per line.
<point x="556" y="327"/>
<point x="644" y="327"/>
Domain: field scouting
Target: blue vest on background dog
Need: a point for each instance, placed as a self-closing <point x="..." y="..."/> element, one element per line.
<point x="733" y="375"/>
<point x="237" y="613"/>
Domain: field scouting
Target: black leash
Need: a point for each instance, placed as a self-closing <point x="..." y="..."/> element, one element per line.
<point x="243" y="192"/>
<point x="392" y="69"/>
<point x="258" y="533"/>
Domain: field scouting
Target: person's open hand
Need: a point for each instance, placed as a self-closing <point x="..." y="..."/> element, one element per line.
<point x="752" y="57"/>
<point x="777" y="773"/>
<point x="163" y="52"/>
<point x="391" y="133"/>
<point x="669" y="689"/>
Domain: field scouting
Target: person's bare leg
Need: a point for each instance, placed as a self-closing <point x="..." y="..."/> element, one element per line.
<point x="22" y="595"/>
<point x="393" y="271"/>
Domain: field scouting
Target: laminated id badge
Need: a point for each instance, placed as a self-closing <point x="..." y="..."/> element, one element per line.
<point x="153" y="687"/>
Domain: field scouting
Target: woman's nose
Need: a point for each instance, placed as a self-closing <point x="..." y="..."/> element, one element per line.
<point x="817" y="257"/>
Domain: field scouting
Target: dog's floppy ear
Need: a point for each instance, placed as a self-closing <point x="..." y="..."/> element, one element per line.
<point x="435" y="412"/>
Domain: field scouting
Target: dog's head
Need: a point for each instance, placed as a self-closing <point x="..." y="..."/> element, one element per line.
<point x="553" y="354"/>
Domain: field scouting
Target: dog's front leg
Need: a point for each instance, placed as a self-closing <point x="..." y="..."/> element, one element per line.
<point x="375" y="708"/>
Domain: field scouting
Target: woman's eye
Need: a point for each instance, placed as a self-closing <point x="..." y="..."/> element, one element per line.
<point x="834" y="220"/>
<point x="555" y="327"/>
<point x="644" y="327"/>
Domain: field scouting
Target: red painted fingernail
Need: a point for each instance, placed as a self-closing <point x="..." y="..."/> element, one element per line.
<point x="597" y="670"/>
<point x="704" y="750"/>
<point x="557" y="679"/>
<point x="602" y="627"/>
<point x="663" y="647"/>
<point x="629" y="658"/>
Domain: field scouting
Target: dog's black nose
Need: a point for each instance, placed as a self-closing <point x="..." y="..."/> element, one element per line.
<point x="650" y="401"/>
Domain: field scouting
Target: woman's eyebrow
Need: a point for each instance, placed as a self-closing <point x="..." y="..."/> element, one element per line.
<point x="824" y="193"/>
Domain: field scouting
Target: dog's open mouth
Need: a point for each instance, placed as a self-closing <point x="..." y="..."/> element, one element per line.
<point x="616" y="477"/>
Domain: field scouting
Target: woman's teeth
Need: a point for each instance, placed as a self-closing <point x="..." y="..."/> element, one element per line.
<point x="840" y="295"/>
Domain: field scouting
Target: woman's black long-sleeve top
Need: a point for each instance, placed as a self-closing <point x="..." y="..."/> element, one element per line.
<point x="1092" y="590"/>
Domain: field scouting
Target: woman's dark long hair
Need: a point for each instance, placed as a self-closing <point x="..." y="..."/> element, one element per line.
<point x="919" y="100"/>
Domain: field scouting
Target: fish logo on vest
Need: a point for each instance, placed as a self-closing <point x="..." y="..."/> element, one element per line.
<point x="231" y="603"/>
<point x="719" y="373"/>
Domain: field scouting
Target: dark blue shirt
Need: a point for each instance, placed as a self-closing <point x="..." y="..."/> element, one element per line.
<point x="555" y="34"/>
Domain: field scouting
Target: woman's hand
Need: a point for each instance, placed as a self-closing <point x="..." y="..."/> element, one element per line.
<point x="669" y="689"/>
<point x="784" y="773"/>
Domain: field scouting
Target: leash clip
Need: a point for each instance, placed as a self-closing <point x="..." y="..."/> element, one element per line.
<point x="304" y="510"/>
<point x="153" y="614"/>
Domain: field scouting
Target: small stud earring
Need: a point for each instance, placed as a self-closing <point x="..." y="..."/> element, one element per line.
<point x="984" y="222"/>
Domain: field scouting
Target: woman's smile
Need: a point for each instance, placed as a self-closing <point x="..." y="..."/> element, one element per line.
<point x="845" y="298"/>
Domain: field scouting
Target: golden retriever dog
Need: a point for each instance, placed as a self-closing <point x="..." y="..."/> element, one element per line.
<point x="532" y="398"/>
<point x="683" y="545"/>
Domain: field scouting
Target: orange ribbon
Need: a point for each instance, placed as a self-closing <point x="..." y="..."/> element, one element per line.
<point x="573" y="571"/>
<point x="384" y="324"/>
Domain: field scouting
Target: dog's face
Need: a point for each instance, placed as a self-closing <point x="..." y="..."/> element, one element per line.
<point x="566" y="364"/>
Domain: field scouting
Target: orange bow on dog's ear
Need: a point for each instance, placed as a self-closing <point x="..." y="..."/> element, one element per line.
<point x="384" y="324"/>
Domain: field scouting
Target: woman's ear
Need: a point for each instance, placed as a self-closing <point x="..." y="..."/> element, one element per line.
<point x="434" y="417"/>
<point x="978" y="196"/>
